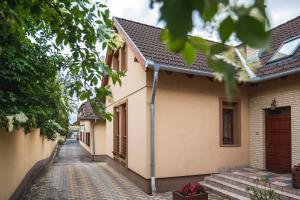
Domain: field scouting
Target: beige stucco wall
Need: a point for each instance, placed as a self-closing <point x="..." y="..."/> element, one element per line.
<point x="187" y="137"/>
<point x="286" y="93"/>
<point x="133" y="90"/>
<point x="87" y="128"/>
<point x="18" y="154"/>
<point x="100" y="136"/>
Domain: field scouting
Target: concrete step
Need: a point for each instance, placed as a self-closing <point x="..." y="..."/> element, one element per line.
<point x="228" y="187"/>
<point x="255" y="180"/>
<point x="241" y="185"/>
<point x="224" y="193"/>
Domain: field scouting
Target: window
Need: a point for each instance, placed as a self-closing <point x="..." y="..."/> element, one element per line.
<point x="115" y="61"/>
<point x="120" y="142"/>
<point x="288" y="48"/>
<point x="123" y="130"/>
<point x="116" y="131"/>
<point x="88" y="138"/>
<point x="230" y="118"/>
<point x="119" y="60"/>
<point x="123" y="58"/>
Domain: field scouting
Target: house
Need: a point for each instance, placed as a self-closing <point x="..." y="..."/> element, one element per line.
<point x="91" y="132"/>
<point x="173" y="123"/>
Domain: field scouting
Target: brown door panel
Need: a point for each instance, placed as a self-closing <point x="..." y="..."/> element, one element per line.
<point x="278" y="140"/>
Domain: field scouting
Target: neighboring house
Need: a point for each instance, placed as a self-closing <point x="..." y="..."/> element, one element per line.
<point x="74" y="131"/>
<point x="92" y="128"/>
<point x="173" y="123"/>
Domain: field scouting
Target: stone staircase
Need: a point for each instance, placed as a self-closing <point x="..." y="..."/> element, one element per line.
<point x="233" y="185"/>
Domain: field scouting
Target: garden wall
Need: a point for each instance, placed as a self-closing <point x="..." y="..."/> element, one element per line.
<point x="21" y="155"/>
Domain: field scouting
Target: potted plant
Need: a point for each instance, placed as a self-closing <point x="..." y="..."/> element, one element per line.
<point x="296" y="176"/>
<point x="191" y="191"/>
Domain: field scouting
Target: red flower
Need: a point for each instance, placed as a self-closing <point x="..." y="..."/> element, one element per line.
<point x="192" y="189"/>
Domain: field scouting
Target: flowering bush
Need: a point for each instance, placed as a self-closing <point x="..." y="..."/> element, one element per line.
<point x="192" y="189"/>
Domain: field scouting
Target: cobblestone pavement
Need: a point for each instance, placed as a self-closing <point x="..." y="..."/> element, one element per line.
<point x="73" y="176"/>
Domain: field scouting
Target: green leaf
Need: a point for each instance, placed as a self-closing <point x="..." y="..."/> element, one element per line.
<point x="59" y="39"/>
<point x="200" y="44"/>
<point x="173" y="44"/>
<point x="226" y="28"/>
<point x="164" y="35"/>
<point x="210" y="9"/>
<point x="189" y="53"/>
<point x="218" y="48"/>
<point x="176" y="44"/>
<point x="228" y="71"/>
<point x="83" y="96"/>
<point x="252" y="32"/>
<point x="178" y="26"/>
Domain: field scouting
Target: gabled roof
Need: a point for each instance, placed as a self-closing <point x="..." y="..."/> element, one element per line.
<point x="146" y="39"/>
<point x="86" y="112"/>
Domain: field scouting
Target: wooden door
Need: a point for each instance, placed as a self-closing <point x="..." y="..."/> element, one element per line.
<point x="278" y="140"/>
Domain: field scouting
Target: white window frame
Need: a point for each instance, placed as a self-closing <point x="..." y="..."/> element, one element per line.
<point x="284" y="42"/>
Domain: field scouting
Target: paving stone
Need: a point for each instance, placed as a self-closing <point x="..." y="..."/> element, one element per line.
<point x="73" y="176"/>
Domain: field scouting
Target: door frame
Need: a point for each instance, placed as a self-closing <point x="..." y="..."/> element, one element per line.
<point x="265" y="134"/>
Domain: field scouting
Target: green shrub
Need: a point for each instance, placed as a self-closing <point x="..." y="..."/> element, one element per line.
<point x="61" y="141"/>
<point x="262" y="193"/>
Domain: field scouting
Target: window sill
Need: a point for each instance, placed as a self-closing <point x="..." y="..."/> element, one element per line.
<point x="230" y="145"/>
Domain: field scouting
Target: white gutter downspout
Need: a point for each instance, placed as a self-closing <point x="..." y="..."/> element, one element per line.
<point x="93" y="156"/>
<point x="155" y="68"/>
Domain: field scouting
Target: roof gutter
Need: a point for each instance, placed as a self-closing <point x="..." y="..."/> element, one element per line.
<point x="273" y="76"/>
<point x="182" y="70"/>
<point x="253" y="77"/>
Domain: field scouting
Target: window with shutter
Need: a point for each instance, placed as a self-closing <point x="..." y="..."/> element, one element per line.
<point x="123" y="130"/>
<point x="120" y="140"/>
<point x="116" y="131"/>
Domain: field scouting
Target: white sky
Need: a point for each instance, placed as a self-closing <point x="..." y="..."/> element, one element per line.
<point x="279" y="11"/>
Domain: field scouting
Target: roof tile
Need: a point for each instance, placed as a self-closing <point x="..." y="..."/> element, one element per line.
<point x="147" y="40"/>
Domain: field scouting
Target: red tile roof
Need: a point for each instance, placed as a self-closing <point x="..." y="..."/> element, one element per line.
<point x="86" y="112"/>
<point x="147" y="39"/>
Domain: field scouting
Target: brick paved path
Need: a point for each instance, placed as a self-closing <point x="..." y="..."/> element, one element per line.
<point x="73" y="176"/>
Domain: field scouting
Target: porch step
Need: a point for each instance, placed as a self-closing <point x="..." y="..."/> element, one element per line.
<point x="228" y="187"/>
<point x="224" y="193"/>
<point x="253" y="179"/>
<point x="238" y="186"/>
